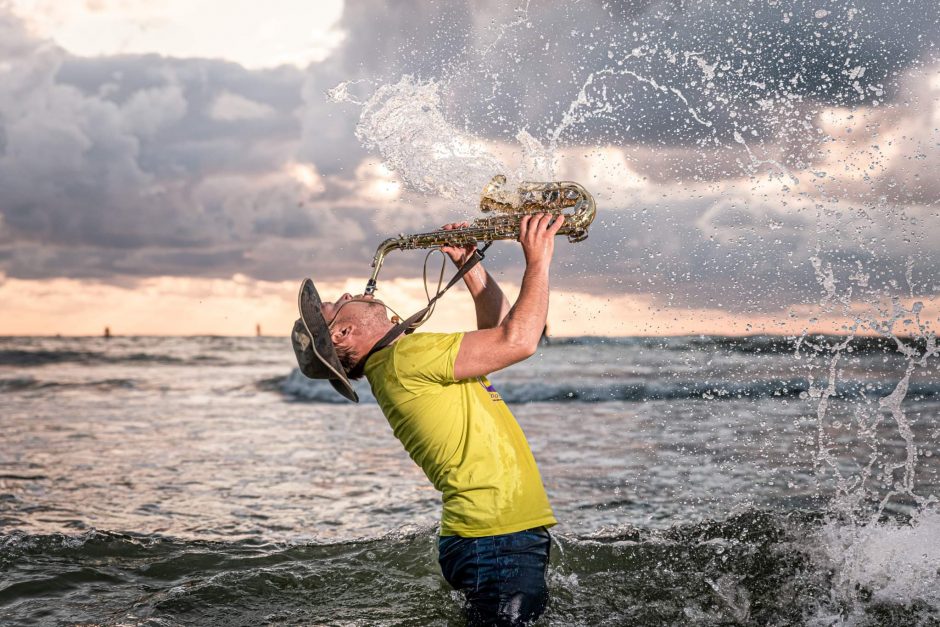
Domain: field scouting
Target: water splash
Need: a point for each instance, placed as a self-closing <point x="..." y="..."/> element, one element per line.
<point x="880" y="540"/>
<point x="405" y="123"/>
<point x="876" y="479"/>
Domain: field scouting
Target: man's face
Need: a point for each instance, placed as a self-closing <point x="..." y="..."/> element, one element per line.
<point x="349" y="307"/>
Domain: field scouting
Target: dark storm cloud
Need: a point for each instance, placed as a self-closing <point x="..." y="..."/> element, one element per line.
<point x="144" y="165"/>
<point x="653" y="61"/>
<point x="196" y="143"/>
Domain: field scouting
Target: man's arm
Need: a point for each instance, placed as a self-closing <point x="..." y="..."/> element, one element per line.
<point x="490" y="302"/>
<point x="517" y="335"/>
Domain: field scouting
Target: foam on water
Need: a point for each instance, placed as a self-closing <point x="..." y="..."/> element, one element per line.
<point x="886" y="563"/>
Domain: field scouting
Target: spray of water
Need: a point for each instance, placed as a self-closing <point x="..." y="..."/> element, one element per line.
<point x="875" y="557"/>
<point x="405" y="123"/>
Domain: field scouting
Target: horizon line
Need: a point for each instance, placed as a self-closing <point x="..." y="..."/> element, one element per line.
<point x="551" y="337"/>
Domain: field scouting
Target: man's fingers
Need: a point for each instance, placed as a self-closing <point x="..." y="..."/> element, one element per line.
<point x="534" y="226"/>
<point x="537" y="225"/>
<point x="455" y="225"/>
<point x="543" y="221"/>
<point x="524" y="227"/>
<point x="534" y="221"/>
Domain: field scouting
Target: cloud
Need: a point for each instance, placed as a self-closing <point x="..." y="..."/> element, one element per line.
<point x="106" y="163"/>
<point x="727" y="146"/>
<point x="150" y="110"/>
<point x="228" y="107"/>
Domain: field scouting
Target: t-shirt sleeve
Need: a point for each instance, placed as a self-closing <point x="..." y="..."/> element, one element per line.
<point x="427" y="358"/>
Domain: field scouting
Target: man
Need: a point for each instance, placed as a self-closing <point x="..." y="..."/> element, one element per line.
<point x="433" y="390"/>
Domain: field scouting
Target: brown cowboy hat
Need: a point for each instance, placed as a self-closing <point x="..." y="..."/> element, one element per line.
<point x="313" y="346"/>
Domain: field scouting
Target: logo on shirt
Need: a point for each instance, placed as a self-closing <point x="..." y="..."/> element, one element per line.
<point x="494" y="395"/>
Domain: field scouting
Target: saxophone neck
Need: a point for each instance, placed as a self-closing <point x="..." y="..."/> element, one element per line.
<point x="384" y="248"/>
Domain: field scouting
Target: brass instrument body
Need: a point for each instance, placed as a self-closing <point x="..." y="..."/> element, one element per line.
<point x="508" y="208"/>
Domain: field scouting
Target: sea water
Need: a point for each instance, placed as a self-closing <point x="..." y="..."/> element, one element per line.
<point x="203" y="480"/>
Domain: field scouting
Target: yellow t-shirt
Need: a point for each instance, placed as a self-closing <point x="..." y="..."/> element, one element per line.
<point x="462" y="435"/>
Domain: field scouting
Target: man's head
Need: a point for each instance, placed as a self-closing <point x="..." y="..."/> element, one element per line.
<point x="356" y="323"/>
<point x="349" y="327"/>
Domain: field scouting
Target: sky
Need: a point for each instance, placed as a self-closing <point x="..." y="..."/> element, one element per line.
<point x="176" y="167"/>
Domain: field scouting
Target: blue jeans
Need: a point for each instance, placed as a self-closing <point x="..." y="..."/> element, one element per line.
<point x="502" y="576"/>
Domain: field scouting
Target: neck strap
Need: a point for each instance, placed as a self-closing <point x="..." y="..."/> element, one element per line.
<point x="408" y="326"/>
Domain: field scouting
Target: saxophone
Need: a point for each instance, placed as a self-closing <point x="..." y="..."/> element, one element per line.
<point x="508" y="207"/>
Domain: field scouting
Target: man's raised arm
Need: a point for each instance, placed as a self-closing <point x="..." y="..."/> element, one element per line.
<point x="490" y="302"/>
<point x="517" y="336"/>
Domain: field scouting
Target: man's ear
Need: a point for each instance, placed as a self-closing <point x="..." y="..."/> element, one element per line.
<point x="341" y="332"/>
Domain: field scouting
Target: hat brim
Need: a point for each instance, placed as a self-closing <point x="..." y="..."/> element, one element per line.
<point x="316" y="355"/>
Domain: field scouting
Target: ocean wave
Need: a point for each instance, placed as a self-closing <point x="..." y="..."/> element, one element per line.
<point x="18" y="384"/>
<point x="753" y="568"/>
<point x="300" y="388"/>
<point x="749" y="344"/>
<point x="19" y="357"/>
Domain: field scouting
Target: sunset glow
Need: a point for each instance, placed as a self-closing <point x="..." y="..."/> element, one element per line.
<point x="192" y="306"/>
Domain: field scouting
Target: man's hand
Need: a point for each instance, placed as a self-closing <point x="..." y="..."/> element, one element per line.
<point x="458" y="254"/>
<point x="537" y="236"/>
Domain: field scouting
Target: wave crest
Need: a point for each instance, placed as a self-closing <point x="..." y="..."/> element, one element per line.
<point x="20" y="357"/>
<point x="300" y="388"/>
<point x="21" y="384"/>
